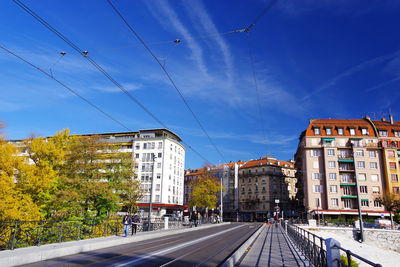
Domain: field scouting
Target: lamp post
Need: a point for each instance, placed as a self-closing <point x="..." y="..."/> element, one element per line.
<point x="151" y="192"/>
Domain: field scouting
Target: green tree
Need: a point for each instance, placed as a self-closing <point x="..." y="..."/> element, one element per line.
<point x="205" y="191"/>
<point x="392" y="204"/>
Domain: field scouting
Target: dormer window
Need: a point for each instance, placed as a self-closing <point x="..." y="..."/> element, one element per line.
<point x="340" y="131"/>
<point x="364" y="131"/>
<point x="328" y="131"/>
<point x="383" y="133"/>
<point x="352" y="131"/>
<point x="396" y="133"/>
<point x="317" y="131"/>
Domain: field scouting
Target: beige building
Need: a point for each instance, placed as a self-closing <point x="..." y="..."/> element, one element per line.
<point x="337" y="157"/>
<point x="263" y="181"/>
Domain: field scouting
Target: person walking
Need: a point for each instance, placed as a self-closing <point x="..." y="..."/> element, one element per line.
<point x="194" y="218"/>
<point x="135" y="222"/>
<point x="126" y="221"/>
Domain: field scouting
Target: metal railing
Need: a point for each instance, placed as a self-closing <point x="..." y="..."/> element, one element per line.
<point x="314" y="249"/>
<point x="311" y="246"/>
<point x="35" y="233"/>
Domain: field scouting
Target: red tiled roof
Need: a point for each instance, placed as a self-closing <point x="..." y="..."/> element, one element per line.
<point x="265" y="162"/>
<point x="334" y="124"/>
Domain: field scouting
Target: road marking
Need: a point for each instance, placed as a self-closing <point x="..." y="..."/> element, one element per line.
<point x="165" y="251"/>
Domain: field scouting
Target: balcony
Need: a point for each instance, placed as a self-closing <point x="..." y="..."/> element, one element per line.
<point x="348" y="197"/>
<point x="372" y="145"/>
<point x="346" y="169"/>
<point x="348" y="183"/>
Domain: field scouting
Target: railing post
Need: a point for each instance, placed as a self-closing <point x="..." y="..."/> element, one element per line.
<point x="15" y="231"/>
<point x="79" y="230"/>
<point x="332" y="252"/>
<point x="40" y="232"/>
<point x="348" y="254"/>
<point x="322" y="252"/>
<point x="92" y="233"/>
<point x="106" y="228"/>
<point x="61" y="231"/>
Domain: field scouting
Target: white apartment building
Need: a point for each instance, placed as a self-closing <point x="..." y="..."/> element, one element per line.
<point x="159" y="156"/>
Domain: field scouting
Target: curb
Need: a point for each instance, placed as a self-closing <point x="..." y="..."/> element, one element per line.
<point x="232" y="260"/>
<point x="28" y="255"/>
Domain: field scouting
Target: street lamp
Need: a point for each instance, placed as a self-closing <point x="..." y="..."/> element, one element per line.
<point x="151" y="192"/>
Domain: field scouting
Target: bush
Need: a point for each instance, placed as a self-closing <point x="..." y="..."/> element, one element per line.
<point x="343" y="260"/>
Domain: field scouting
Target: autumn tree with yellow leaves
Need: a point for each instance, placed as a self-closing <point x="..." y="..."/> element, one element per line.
<point x="205" y="191"/>
<point x="64" y="177"/>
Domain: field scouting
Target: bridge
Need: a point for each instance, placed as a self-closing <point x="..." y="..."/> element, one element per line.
<point x="225" y="244"/>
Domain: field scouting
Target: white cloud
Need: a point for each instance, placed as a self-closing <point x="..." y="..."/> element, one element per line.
<point x="167" y="17"/>
<point x="115" y="89"/>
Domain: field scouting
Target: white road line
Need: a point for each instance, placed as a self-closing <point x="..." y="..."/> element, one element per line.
<point x="165" y="251"/>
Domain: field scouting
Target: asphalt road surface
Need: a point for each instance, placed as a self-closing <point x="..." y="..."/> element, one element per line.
<point x="204" y="247"/>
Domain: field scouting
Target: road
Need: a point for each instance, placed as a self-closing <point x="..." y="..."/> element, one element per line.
<point x="204" y="247"/>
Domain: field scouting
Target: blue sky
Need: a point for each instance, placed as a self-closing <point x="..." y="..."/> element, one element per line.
<point x="313" y="59"/>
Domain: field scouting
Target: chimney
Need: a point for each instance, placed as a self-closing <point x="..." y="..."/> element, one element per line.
<point x="391" y="119"/>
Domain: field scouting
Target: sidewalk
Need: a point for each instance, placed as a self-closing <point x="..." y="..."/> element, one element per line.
<point x="33" y="254"/>
<point x="272" y="248"/>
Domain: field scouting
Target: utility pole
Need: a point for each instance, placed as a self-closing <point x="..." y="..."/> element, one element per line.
<point x="359" y="210"/>
<point x="151" y="192"/>
<point x="222" y="205"/>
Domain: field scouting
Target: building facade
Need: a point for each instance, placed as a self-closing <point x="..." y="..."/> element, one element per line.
<point x="159" y="159"/>
<point x="338" y="159"/>
<point x="262" y="183"/>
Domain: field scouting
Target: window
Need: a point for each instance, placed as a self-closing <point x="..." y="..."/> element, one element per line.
<point x="394" y="178"/>
<point x="158" y="187"/>
<point x="315" y="163"/>
<point x="372" y="154"/>
<point x="363" y="189"/>
<point x="391" y="153"/>
<point x="352" y="131"/>
<point x="360" y="153"/>
<point x="159" y="155"/>
<point x="377" y="204"/>
<point x="347" y="191"/>
<point x="361" y="164"/>
<point x="375" y="189"/>
<point x="346" y="177"/>
<point x="318" y="189"/>
<point x="373" y="165"/>
<point x="333" y="189"/>
<point x="137" y="146"/>
<point x="314" y="153"/>
<point x="328" y="131"/>
<point x="159" y="145"/>
<point x="396" y="133"/>
<point x="395" y="190"/>
<point x="334" y="202"/>
<point x="340" y="131"/>
<point x="374" y="177"/>
<point x="364" y="131"/>
<point x="364" y="203"/>
<point x="331" y="164"/>
<point x="332" y="176"/>
<point x="362" y="177"/>
<point x="315" y="176"/>
<point x="137" y="155"/>
<point x="317" y="131"/>
<point x="347" y="204"/>
<point x="392" y="165"/>
<point x="331" y="152"/>
<point x="158" y="175"/>
<point x="383" y="133"/>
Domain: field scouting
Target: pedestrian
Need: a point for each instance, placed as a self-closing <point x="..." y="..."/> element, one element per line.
<point x="135" y="222"/>
<point x="194" y="218"/>
<point x="126" y="221"/>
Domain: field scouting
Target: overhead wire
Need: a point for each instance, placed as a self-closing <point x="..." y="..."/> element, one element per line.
<point x="247" y="30"/>
<point x="97" y="66"/>
<point x="170" y="79"/>
<point x="67" y="87"/>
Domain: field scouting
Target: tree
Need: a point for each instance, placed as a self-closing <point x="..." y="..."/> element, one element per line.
<point x="14" y="203"/>
<point x="392" y="204"/>
<point x="94" y="177"/>
<point x="205" y="191"/>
